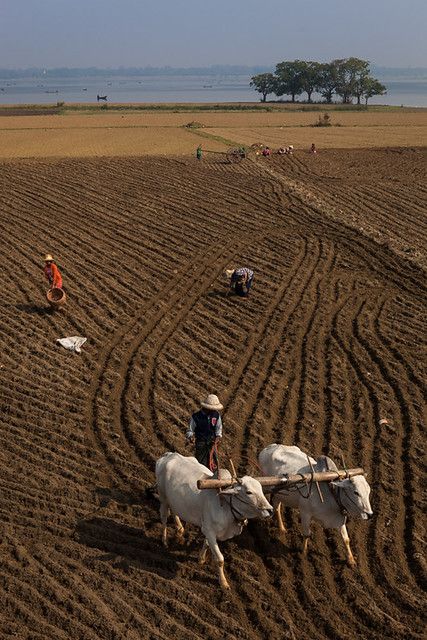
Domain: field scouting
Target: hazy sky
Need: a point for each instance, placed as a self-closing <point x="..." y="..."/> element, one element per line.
<point x="111" y="33"/>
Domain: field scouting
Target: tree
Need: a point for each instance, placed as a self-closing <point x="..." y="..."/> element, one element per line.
<point x="373" y="87"/>
<point x="310" y="77"/>
<point x="289" y="78"/>
<point x="327" y="80"/>
<point x="350" y="75"/>
<point x="264" y="83"/>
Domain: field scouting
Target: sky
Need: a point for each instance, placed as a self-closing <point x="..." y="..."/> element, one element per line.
<point x="197" y="33"/>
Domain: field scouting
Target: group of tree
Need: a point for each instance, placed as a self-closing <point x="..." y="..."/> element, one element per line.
<point x="348" y="78"/>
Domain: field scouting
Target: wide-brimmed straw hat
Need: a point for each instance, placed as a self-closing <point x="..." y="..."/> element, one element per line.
<point x="48" y="258"/>
<point x="212" y="403"/>
<point x="228" y="273"/>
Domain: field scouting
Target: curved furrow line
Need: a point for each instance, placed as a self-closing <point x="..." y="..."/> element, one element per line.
<point x="379" y="451"/>
<point x="251" y="370"/>
<point x="303" y="431"/>
<point x="322" y="267"/>
<point x="221" y="309"/>
<point x="397" y="355"/>
<point x="344" y="587"/>
<point x="394" y="376"/>
<point x="335" y="592"/>
<point x="156" y="339"/>
<point x="387" y="264"/>
<point x="334" y="413"/>
<point x="328" y="270"/>
<point x="129" y="337"/>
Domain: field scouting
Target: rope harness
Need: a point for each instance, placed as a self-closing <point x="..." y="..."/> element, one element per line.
<point x="336" y="494"/>
<point x="296" y="487"/>
<point x="213" y="453"/>
<point x="239" y="518"/>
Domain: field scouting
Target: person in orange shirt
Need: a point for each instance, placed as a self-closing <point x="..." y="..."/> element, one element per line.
<point x="52" y="273"/>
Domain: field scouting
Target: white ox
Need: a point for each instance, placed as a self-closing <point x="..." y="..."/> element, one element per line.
<point x="220" y="516"/>
<point x="342" y="498"/>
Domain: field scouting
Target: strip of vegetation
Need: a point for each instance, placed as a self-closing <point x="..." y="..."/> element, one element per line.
<point x="270" y="107"/>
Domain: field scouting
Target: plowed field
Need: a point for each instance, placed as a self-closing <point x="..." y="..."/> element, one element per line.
<point x="328" y="353"/>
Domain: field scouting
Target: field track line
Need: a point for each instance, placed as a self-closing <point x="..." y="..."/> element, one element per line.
<point x="193" y="277"/>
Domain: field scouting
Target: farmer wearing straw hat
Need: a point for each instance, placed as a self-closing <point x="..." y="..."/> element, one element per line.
<point x="240" y="280"/>
<point x="205" y="429"/>
<point x="52" y="273"/>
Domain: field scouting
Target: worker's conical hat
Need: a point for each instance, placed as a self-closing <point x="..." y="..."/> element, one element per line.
<point x="228" y="273"/>
<point x="48" y="258"/>
<point x="212" y="403"/>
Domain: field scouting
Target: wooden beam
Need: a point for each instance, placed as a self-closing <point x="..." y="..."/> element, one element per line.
<point x="277" y="481"/>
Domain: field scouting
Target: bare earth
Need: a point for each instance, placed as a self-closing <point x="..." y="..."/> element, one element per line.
<point x="130" y="134"/>
<point x="331" y="343"/>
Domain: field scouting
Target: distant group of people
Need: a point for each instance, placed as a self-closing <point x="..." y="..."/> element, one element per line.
<point x="286" y="151"/>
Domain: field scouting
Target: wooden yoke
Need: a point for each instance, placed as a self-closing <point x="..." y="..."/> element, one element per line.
<point x="278" y="481"/>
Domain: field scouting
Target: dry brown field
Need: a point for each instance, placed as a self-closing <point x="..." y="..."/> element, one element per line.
<point x="131" y="133"/>
<point x="331" y="343"/>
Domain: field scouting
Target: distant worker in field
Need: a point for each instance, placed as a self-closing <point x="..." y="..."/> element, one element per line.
<point x="199" y="152"/>
<point x="205" y="430"/>
<point x="240" y="280"/>
<point x="52" y="273"/>
<point x="313" y="148"/>
<point x="266" y="152"/>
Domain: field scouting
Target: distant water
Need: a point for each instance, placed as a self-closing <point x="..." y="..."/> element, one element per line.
<point x="152" y="89"/>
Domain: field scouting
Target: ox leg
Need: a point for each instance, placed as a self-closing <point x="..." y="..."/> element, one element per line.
<point x="305" y="523"/>
<point x="202" y="556"/>
<point x="164" y="512"/>
<point x="179" y="530"/>
<point x="219" y="559"/>
<point x="278" y="511"/>
<point x="350" y="558"/>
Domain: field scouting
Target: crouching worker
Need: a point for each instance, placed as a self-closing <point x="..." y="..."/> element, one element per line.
<point x="52" y="273"/>
<point x="240" y="280"/>
<point x="205" y="430"/>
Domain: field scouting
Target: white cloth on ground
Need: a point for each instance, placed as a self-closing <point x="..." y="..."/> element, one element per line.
<point x="73" y="343"/>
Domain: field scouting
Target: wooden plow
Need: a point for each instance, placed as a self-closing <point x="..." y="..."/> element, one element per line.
<point x="275" y="483"/>
<point x="237" y="154"/>
<point x="232" y="155"/>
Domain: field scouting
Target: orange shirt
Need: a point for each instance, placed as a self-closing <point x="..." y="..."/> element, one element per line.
<point x="51" y="272"/>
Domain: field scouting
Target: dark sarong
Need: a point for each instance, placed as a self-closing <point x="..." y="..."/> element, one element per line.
<point x="204" y="455"/>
